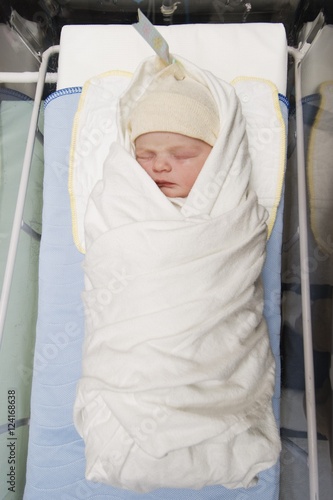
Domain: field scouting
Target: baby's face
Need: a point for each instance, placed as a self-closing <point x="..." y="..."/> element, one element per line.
<point x="173" y="161"/>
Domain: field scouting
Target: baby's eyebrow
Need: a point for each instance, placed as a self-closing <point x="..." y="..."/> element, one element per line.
<point x="184" y="149"/>
<point x="143" y="150"/>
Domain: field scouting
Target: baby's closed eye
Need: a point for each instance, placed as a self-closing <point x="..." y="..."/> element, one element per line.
<point x="144" y="156"/>
<point x="184" y="156"/>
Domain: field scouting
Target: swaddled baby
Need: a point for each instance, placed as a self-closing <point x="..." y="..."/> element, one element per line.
<point x="177" y="371"/>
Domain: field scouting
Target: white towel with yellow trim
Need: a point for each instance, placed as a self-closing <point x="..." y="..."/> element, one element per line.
<point x="320" y="170"/>
<point x="177" y="373"/>
<point x="95" y="128"/>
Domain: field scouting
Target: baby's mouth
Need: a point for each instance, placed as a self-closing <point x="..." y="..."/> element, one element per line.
<point x="164" y="184"/>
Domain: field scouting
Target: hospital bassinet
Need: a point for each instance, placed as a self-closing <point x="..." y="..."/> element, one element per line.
<point x="55" y="467"/>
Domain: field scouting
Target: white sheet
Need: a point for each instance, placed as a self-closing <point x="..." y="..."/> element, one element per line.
<point x="228" y="50"/>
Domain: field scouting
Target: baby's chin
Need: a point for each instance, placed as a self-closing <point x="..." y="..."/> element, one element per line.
<point x="174" y="191"/>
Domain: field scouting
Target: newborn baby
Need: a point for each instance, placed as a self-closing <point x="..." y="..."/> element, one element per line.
<point x="174" y="128"/>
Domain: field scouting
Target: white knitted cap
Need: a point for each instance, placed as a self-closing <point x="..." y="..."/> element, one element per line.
<point x="177" y="103"/>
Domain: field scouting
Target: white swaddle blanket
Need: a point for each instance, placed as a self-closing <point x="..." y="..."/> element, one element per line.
<point x="177" y="374"/>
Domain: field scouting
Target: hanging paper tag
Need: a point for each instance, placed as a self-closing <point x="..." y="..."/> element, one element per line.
<point x="148" y="31"/>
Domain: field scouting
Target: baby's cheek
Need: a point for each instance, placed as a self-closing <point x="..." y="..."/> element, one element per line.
<point x="142" y="163"/>
<point x="147" y="167"/>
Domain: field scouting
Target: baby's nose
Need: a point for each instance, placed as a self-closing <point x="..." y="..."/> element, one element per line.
<point x="162" y="163"/>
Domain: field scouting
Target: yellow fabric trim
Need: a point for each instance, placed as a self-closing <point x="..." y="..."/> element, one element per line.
<point x="73" y="147"/>
<point x="283" y="142"/>
<point x="310" y="163"/>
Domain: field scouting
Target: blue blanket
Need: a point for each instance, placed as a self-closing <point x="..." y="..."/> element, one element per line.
<point x="56" y="461"/>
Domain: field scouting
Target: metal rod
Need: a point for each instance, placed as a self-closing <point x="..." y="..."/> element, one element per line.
<point x="305" y="285"/>
<point x="14" y="239"/>
<point x="26" y="77"/>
